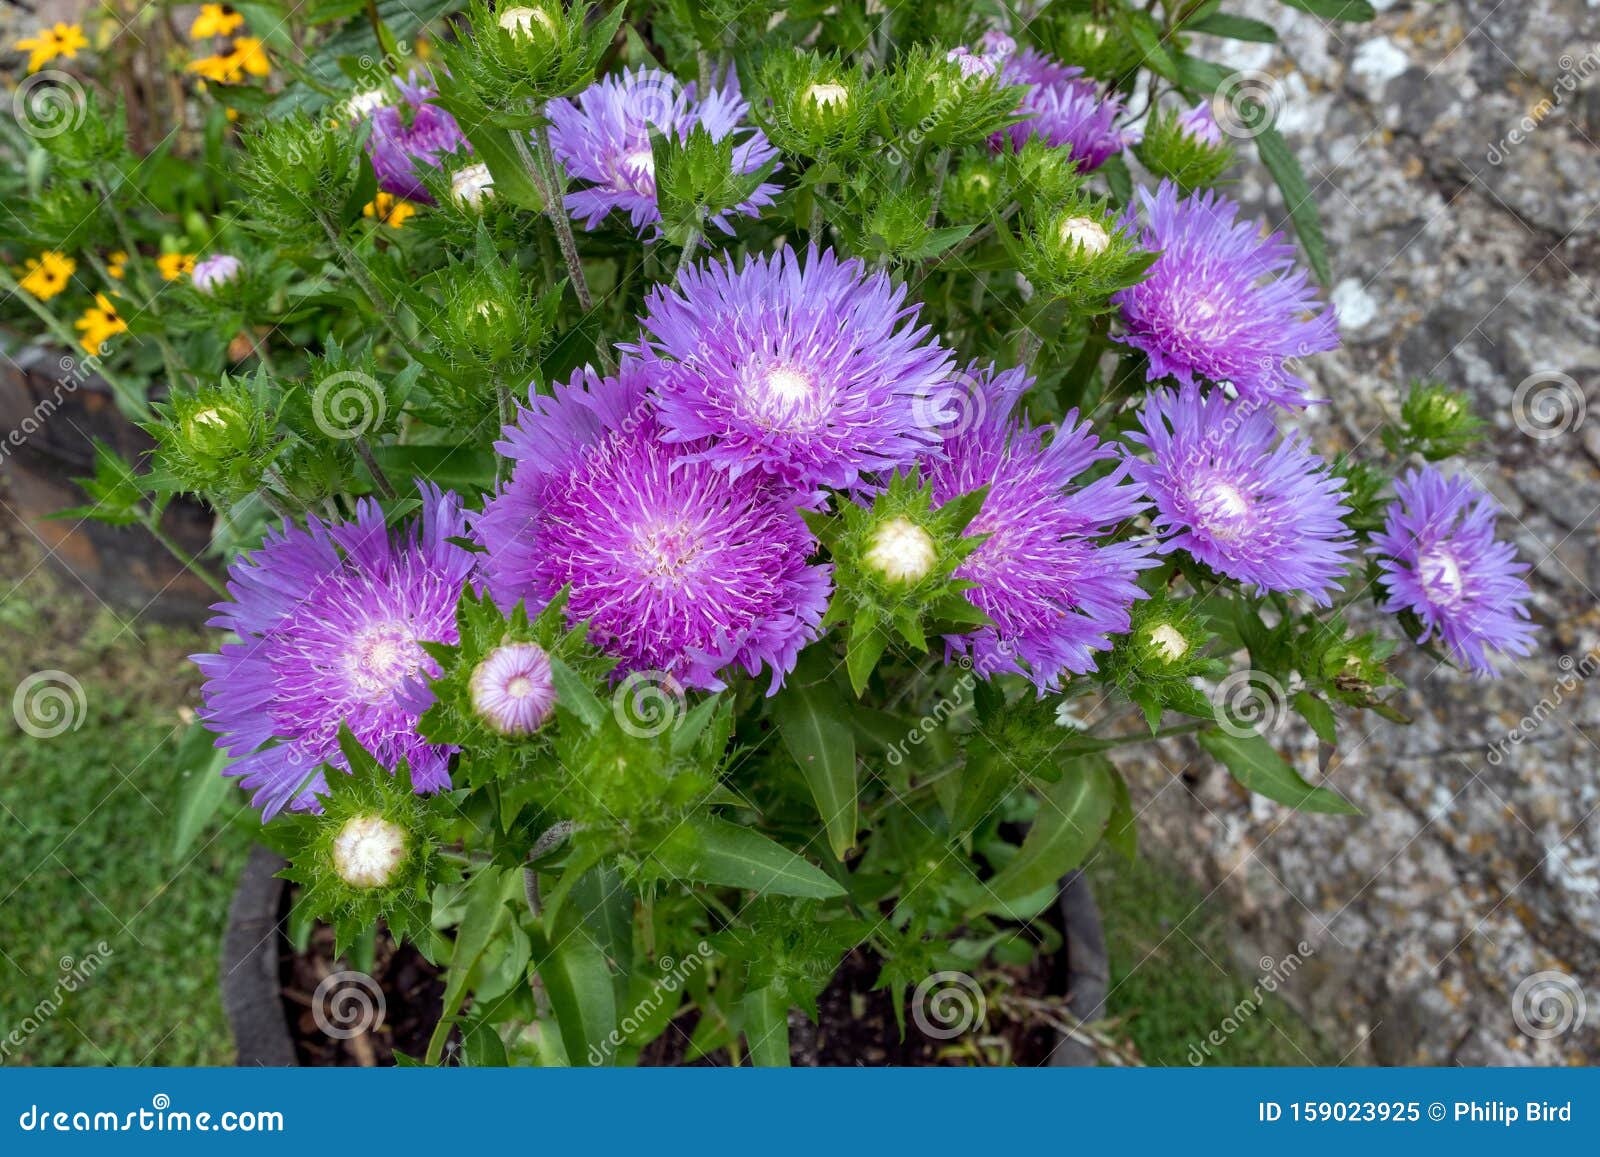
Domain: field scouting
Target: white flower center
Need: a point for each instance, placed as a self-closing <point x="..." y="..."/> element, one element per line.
<point x="1169" y="642"/>
<point x="1220" y="507"/>
<point x="380" y="659"/>
<point x="469" y="186"/>
<point x="1085" y="233"/>
<point x="363" y="103"/>
<point x="901" y="551"/>
<point x="368" y="851"/>
<point x="521" y="21"/>
<point x="827" y="95"/>
<point x="1440" y="573"/>
<point x="781" y="396"/>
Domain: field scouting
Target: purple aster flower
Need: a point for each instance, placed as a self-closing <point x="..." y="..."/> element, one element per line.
<point x="513" y="689"/>
<point x="1221" y="302"/>
<point x="677" y="566"/>
<point x="1056" y="594"/>
<point x="402" y="139"/>
<point x="1266" y="512"/>
<point x="1062" y="107"/>
<point x="211" y="273"/>
<point x="970" y="63"/>
<point x="604" y="138"/>
<point x="330" y="620"/>
<point x="996" y="44"/>
<point x="1440" y="560"/>
<point x="813" y="371"/>
<point x="1200" y="123"/>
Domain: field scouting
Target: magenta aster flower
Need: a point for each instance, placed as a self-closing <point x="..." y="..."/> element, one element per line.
<point x="513" y="689"/>
<point x="815" y="372"/>
<point x="330" y="620"/>
<point x="1441" y="561"/>
<point x="604" y="138"/>
<point x="211" y="273"/>
<point x="1062" y="107"/>
<point x="1266" y="512"/>
<point x="402" y="140"/>
<point x="1055" y="592"/>
<point x="1222" y="303"/>
<point x="676" y="565"/>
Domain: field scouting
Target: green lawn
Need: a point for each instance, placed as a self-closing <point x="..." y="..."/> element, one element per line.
<point x="1174" y="981"/>
<point x="108" y="944"/>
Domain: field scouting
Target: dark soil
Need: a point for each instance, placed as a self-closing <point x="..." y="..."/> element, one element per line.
<point x="413" y="1000"/>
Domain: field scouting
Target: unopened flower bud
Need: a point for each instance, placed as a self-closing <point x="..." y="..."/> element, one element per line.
<point x="472" y="185"/>
<point x="368" y="851"/>
<point x="901" y="551"/>
<point x="211" y="273"/>
<point x="1083" y="233"/>
<point x="1169" y="642"/>
<point x="520" y="22"/>
<point x="513" y="689"/>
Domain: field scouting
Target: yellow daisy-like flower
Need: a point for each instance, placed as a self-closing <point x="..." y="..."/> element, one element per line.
<point x="175" y="265"/>
<point x="48" y="274"/>
<point x="390" y="210"/>
<point x="62" y="40"/>
<point x="245" y="56"/>
<point x="100" y="324"/>
<point x="215" y="20"/>
<point x="117" y="264"/>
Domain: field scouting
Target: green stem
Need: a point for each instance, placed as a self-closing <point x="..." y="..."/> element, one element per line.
<point x="381" y="305"/>
<point x="152" y="523"/>
<point x="135" y="263"/>
<point x="555" y="210"/>
<point x="379" y="479"/>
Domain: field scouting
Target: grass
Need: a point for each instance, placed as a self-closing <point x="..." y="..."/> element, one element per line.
<point x="1173" y="980"/>
<point x="108" y="943"/>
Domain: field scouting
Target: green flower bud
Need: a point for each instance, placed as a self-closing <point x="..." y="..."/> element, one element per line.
<point x="369" y="851"/>
<point x="901" y="551"/>
<point x="1435" y="421"/>
<point x="217" y="440"/>
<point x="1186" y="148"/>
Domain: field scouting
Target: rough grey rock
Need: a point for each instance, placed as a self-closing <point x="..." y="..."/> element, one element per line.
<point x="1464" y="253"/>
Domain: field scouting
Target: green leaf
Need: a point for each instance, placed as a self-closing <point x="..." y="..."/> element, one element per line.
<point x="1353" y="11"/>
<point x="485" y="909"/>
<point x="1318" y="714"/>
<point x="464" y="467"/>
<point x="814" y="723"/>
<point x="497" y="148"/>
<point x="582" y="995"/>
<point x="1122" y="830"/>
<point x="1072" y="815"/>
<point x="766" y="1026"/>
<point x="1252" y="761"/>
<point x="1234" y="28"/>
<point x="987" y="776"/>
<point x="737" y="857"/>
<point x="204" y="790"/>
<point x="574" y="694"/>
<point x="1285" y="169"/>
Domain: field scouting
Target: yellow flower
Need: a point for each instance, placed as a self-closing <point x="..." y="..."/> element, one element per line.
<point x="215" y="20"/>
<point x="175" y="265"/>
<point x="117" y="264"/>
<point x="48" y="274"/>
<point x="245" y="55"/>
<point x="62" y="40"/>
<point x="99" y="324"/>
<point x="390" y="210"/>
